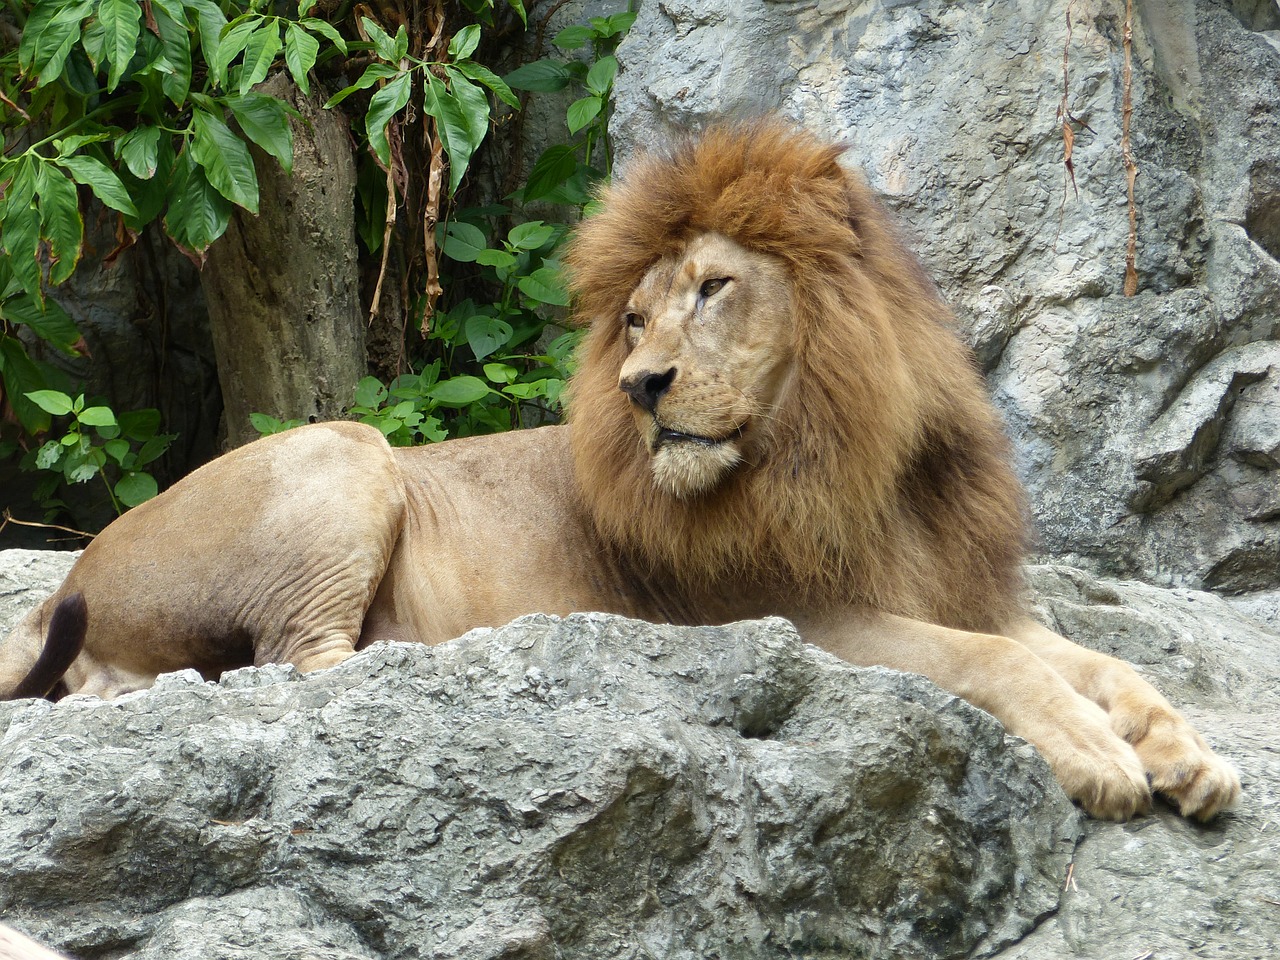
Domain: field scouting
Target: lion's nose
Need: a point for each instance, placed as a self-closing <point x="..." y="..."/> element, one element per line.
<point x="646" y="388"/>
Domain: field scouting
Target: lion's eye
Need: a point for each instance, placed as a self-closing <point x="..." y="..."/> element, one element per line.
<point x="713" y="286"/>
<point x="633" y="321"/>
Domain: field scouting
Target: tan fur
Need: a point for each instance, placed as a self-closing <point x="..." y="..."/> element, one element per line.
<point x="771" y="416"/>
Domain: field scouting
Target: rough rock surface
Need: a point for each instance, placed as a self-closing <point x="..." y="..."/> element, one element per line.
<point x="601" y="788"/>
<point x="1146" y="426"/>
<point x="590" y="787"/>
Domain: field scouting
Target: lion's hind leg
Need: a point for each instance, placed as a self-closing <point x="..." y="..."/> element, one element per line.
<point x="1178" y="762"/>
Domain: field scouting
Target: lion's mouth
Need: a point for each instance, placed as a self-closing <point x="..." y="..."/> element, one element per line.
<point x="666" y="435"/>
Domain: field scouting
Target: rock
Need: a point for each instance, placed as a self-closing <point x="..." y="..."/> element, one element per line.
<point x="1160" y="886"/>
<point x="593" y="787"/>
<point x="27" y="577"/>
<point x="1145" y="426"/>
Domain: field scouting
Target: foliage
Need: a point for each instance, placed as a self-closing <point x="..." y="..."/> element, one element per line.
<point x="499" y="384"/>
<point x="97" y="443"/>
<point x="151" y="105"/>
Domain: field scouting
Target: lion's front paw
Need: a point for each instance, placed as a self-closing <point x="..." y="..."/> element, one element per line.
<point x="1181" y="766"/>
<point x="1108" y="783"/>
<point x="1095" y="767"/>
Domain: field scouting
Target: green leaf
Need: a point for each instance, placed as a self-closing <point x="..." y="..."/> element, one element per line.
<point x="136" y="487"/>
<point x="225" y="159"/>
<point x="149" y="196"/>
<point x="198" y="214"/>
<point x="518" y="7"/>
<point x="94" y="41"/>
<point x="212" y="22"/>
<point x="500" y="372"/>
<point x="526" y="391"/>
<point x="97" y="417"/>
<point x="264" y="423"/>
<point x="140" y="424"/>
<point x="581" y="112"/>
<point x="154" y="447"/>
<point x="541" y="76"/>
<point x="300" y="52"/>
<point x="21" y="188"/>
<point x="121" y="22"/>
<point x="475" y="107"/>
<point x="325" y="30"/>
<point x="21" y="376"/>
<point x="372" y="74"/>
<point x="49" y="321"/>
<point x="496" y="258"/>
<point x="459" y="391"/>
<point x="572" y="38"/>
<point x="49" y="455"/>
<point x="117" y="449"/>
<point x="545" y="286"/>
<point x="80" y="467"/>
<point x="383" y="45"/>
<point x="175" y="39"/>
<point x="21" y="237"/>
<point x="69" y="145"/>
<point x="600" y="76"/>
<point x="484" y="75"/>
<point x="60" y="221"/>
<point x="259" y="53"/>
<point x="101" y="179"/>
<point x="531" y="235"/>
<point x="462" y="242"/>
<point x="51" y="401"/>
<point x="230" y="45"/>
<point x="487" y="334"/>
<point x="618" y="23"/>
<point x="464" y="42"/>
<point x="553" y="168"/>
<point x="370" y="392"/>
<point x="139" y="149"/>
<point x="384" y="105"/>
<point x="265" y="121"/>
<point x="51" y="30"/>
<point x="453" y="127"/>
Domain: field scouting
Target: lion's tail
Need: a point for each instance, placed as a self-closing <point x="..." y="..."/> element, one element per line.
<point x="67" y="630"/>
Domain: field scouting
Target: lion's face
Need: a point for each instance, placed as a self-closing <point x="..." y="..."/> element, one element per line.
<point x="709" y="338"/>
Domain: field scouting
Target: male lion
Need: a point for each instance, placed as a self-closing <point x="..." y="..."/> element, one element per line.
<point x="772" y="417"/>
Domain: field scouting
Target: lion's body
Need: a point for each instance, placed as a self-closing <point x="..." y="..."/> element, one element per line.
<point x="772" y="416"/>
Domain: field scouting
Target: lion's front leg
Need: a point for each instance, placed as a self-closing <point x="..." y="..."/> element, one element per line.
<point x="1178" y="762"/>
<point x="1095" y="767"/>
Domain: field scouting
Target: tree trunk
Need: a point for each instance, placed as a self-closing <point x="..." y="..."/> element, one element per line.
<point x="283" y="288"/>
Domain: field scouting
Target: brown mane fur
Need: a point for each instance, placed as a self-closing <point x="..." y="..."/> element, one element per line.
<point x="884" y="479"/>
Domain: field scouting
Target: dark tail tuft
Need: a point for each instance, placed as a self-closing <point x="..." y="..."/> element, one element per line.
<point x="67" y="629"/>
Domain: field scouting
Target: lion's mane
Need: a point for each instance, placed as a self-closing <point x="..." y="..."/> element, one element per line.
<point x="884" y="478"/>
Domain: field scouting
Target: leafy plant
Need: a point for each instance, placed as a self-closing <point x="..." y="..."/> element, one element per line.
<point x="566" y="173"/>
<point x="97" y="443"/>
<point x="151" y="105"/>
<point x="484" y="371"/>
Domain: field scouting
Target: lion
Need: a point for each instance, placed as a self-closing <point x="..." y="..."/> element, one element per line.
<point x="772" y="416"/>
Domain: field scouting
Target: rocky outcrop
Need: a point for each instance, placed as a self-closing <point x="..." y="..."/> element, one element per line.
<point x="596" y="787"/>
<point x="1145" y="426"/>
<point x="589" y="787"/>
